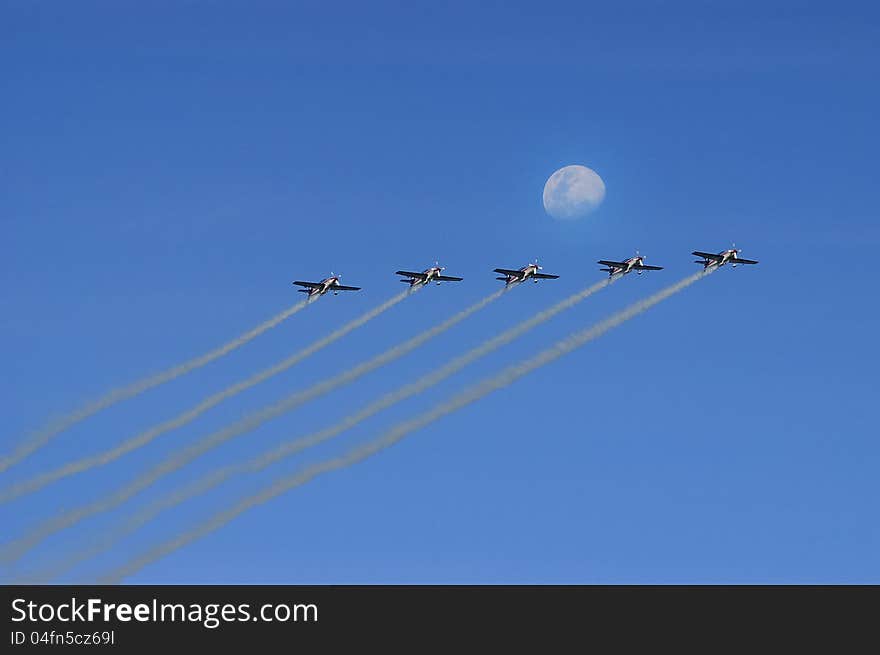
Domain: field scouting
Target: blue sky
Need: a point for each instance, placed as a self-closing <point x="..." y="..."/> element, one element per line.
<point x="169" y="169"/>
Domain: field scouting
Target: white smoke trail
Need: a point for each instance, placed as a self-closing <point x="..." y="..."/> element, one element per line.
<point x="17" y="548"/>
<point x="144" y="438"/>
<point x="401" y="430"/>
<point x="40" y="438"/>
<point x="288" y="449"/>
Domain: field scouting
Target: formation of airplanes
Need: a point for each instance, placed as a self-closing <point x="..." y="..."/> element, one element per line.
<point x="528" y="272"/>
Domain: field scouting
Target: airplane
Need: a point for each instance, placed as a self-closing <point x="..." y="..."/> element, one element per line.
<point x="636" y="263"/>
<point x="427" y="275"/>
<point x="521" y="275"/>
<point x="327" y="284"/>
<point x="730" y="255"/>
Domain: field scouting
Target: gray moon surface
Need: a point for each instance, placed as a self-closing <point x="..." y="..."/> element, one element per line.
<point x="573" y="192"/>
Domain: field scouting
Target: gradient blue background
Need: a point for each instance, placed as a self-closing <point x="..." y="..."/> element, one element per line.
<point x="167" y="170"/>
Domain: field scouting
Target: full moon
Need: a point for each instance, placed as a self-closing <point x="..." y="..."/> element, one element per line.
<point x="572" y="192"/>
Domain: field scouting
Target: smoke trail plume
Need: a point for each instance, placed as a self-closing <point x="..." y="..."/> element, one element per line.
<point x="144" y="438"/>
<point x="46" y="434"/>
<point x="288" y="449"/>
<point x="401" y="430"/>
<point x="17" y="548"/>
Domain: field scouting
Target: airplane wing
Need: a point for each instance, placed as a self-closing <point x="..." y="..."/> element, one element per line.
<point x="310" y="285"/>
<point x="448" y="278"/>
<point x="507" y="271"/>
<point x="610" y="263"/>
<point x="342" y="287"/>
<point x="544" y="276"/>
<point x="737" y="260"/>
<point x="412" y="274"/>
<point x="707" y="255"/>
<point x="645" y="267"/>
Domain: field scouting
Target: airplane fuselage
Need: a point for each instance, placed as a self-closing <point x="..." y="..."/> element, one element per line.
<point x="725" y="255"/>
<point x="525" y="273"/>
<point x="629" y="263"/>
<point x="429" y="273"/>
<point x="326" y="285"/>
